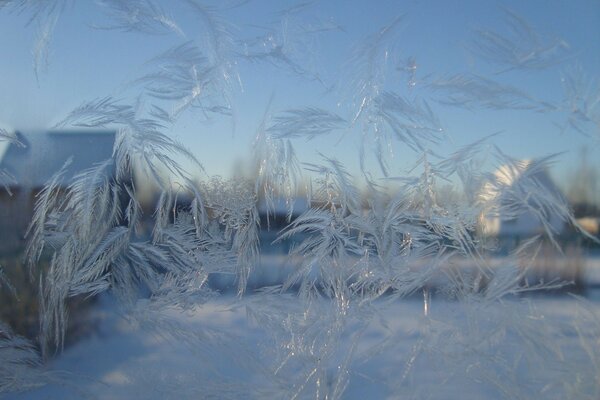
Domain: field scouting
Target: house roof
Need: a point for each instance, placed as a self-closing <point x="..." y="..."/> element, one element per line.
<point x="508" y="179"/>
<point x="43" y="153"/>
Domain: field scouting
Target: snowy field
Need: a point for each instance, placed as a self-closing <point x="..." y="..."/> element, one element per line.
<point x="219" y="352"/>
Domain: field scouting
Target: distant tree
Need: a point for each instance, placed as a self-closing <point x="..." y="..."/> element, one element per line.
<point x="583" y="189"/>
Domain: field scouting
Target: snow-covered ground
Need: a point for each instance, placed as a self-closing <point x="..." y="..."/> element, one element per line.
<point x="520" y="348"/>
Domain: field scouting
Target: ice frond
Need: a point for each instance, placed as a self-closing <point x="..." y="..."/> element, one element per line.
<point x="409" y="68"/>
<point x="520" y="47"/>
<point x="306" y="122"/>
<point x="91" y="195"/>
<point x="185" y="291"/>
<point x="219" y="46"/>
<point x="47" y="200"/>
<point x="112" y="258"/>
<point x="245" y="244"/>
<point x="328" y="245"/>
<point x="10" y="137"/>
<point x="41" y="47"/>
<point x="155" y="151"/>
<point x="143" y="16"/>
<point x="6" y="179"/>
<point x="99" y="113"/>
<point x="20" y="363"/>
<point x="229" y="202"/>
<point x="82" y="254"/>
<point x="36" y="9"/>
<point x="233" y="205"/>
<point x="218" y="31"/>
<point x="521" y="188"/>
<point x="197" y="208"/>
<point x="299" y="7"/>
<point x="473" y="91"/>
<point x="413" y="123"/>
<point x="186" y="77"/>
<point x="104" y="253"/>
<point x="288" y="47"/>
<point x="582" y="102"/>
<point x="276" y="56"/>
<point x="278" y="170"/>
<point x="306" y="362"/>
<point x="368" y="65"/>
<point x="161" y="114"/>
<point x="139" y="140"/>
<point x="334" y="186"/>
<point x="457" y="161"/>
<point x="45" y="14"/>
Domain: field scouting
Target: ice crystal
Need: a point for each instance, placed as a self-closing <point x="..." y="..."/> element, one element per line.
<point x="278" y="169"/>
<point x="187" y="77"/>
<point x="582" y="101"/>
<point x="469" y="91"/>
<point x="21" y="365"/>
<point x="353" y="255"/>
<point x="521" y="47"/>
<point x="143" y="16"/>
<point x="308" y="122"/>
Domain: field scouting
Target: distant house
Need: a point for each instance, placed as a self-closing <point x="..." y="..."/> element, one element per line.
<point x="516" y="220"/>
<point x="590" y="225"/>
<point x="31" y="163"/>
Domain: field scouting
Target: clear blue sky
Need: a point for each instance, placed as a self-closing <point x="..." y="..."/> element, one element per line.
<point x="87" y="63"/>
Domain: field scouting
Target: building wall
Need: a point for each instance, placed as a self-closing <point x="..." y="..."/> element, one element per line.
<point x="16" y="212"/>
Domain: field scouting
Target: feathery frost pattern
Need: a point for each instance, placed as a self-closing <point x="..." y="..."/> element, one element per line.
<point x="470" y="91"/>
<point x="521" y="48"/>
<point x="45" y="15"/>
<point x="143" y="16"/>
<point x="308" y="122"/>
<point x="278" y="169"/>
<point x="362" y="247"/>
<point x="582" y="101"/>
<point x="21" y="367"/>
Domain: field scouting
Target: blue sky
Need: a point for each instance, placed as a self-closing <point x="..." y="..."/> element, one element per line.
<point x="87" y="63"/>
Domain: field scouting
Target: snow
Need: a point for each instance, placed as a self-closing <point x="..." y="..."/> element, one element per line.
<point x="124" y="360"/>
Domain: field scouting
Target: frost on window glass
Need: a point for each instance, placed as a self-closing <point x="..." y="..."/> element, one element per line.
<point x="322" y="199"/>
